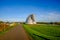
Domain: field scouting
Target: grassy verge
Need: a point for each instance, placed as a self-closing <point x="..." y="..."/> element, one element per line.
<point x="7" y="29"/>
<point x="43" y="32"/>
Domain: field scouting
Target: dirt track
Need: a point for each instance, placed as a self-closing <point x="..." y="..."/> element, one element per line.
<point x="17" y="33"/>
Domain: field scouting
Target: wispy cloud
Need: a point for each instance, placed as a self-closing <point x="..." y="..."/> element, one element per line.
<point x="54" y="17"/>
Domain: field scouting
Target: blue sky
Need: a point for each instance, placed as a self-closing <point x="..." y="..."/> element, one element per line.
<point x="18" y="10"/>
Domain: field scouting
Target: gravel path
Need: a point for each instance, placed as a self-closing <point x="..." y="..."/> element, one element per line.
<point x="16" y="33"/>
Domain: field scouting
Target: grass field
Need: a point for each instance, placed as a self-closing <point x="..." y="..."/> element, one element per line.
<point x="43" y="31"/>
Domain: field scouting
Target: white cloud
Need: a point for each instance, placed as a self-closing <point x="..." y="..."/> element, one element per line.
<point x="54" y="16"/>
<point x="50" y="17"/>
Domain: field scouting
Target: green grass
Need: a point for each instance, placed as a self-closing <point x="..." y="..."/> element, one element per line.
<point x="43" y="31"/>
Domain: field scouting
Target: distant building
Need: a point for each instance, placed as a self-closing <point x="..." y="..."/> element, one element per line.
<point x="31" y="19"/>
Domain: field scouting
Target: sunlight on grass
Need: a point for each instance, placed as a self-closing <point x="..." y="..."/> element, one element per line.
<point x="43" y="32"/>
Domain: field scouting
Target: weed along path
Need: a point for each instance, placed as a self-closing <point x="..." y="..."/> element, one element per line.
<point x="16" y="33"/>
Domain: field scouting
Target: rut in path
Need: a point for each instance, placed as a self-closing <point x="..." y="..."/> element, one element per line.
<point x="16" y="33"/>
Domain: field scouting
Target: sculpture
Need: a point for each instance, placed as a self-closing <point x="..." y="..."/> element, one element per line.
<point x="31" y="19"/>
